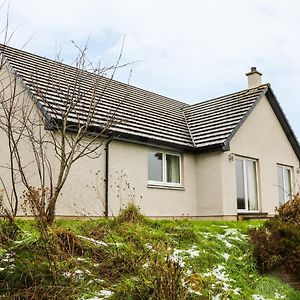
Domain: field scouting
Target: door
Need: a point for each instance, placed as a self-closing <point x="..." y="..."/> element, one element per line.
<point x="246" y="184"/>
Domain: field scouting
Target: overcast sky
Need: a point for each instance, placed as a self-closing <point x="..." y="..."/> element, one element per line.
<point x="187" y="50"/>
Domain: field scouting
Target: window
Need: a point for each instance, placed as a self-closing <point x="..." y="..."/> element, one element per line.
<point x="246" y="184"/>
<point x="284" y="183"/>
<point x="164" y="168"/>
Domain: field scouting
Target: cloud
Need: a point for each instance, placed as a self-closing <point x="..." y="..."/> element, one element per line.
<point x="190" y="50"/>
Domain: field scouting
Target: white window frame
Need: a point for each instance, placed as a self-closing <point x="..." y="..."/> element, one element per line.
<point x="285" y="167"/>
<point x="246" y="209"/>
<point x="164" y="173"/>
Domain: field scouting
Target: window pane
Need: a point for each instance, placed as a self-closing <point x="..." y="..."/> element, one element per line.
<point x="173" y="168"/>
<point x="240" y="187"/>
<point x="287" y="183"/>
<point x="155" y="166"/>
<point x="251" y="185"/>
<point x="280" y="185"/>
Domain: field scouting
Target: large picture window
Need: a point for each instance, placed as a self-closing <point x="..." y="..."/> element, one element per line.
<point x="246" y="184"/>
<point x="284" y="183"/>
<point x="164" y="168"/>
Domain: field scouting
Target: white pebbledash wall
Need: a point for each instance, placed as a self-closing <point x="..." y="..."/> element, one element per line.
<point x="261" y="137"/>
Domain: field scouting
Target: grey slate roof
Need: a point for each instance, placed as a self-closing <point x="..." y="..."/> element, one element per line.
<point x="212" y="122"/>
<point x="140" y="115"/>
<point x="136" y="111"/>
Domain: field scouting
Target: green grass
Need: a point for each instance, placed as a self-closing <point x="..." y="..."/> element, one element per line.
<point x="143" y="259"/>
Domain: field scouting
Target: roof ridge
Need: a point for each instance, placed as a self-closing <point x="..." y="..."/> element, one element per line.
<point x="230" y="94"/>
<point x="188" y="127"/>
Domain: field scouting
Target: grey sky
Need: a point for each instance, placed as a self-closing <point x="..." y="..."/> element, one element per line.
<point x="188" y="50"/>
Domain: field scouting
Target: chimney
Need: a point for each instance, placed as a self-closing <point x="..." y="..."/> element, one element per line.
<point x="254" y="78"/>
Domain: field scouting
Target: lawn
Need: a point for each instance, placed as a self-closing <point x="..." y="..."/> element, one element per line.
<point x="135" y="258"/>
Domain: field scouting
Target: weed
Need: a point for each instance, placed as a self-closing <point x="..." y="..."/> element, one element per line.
<point x="130" y="214"/>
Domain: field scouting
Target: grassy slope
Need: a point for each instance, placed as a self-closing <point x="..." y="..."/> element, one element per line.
<point x="213" y="260"/>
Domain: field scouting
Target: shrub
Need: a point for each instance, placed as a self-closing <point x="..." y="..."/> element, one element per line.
<point x="161" y="280"/>
<point x="277" y="242"/>
<point x="130" y="214"/>
<point x="290" y="211"/>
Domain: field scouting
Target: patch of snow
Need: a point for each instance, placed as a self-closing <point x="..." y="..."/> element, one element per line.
<point x="216" y="297"/>
<point x="222" y="238"/>
<point x="106" y="293"/>
<point x="205" y="234"/>
<point x="67" y="274"/>
<point x="236" y="291"/>
<point x="225" y="256"/>
<point x="80" y="259"/>
<point x="258" y="297"/>
<point x="190" y="290"/>
<point x="100" y="243"/>
<point x="243" y="256"/>
<point x="2" y="269"/>
<point x="279" y="296"/>
<point x="149" y="246"/>
<point x="222" y="278"/>
<point x="78" y="272"/>
<point x="193" y="252"/>
<point x="8" y="258"/>
<point x="226" y="286"/>
<point x="231" y="231"/>
<point x="217" y="272"/>
<point x="176" y="256"/>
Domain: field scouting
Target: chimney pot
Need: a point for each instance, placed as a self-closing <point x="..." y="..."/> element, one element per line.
<point x="254" y="78"/>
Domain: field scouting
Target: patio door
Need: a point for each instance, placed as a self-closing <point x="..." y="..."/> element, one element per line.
<point x="246" y="184"/>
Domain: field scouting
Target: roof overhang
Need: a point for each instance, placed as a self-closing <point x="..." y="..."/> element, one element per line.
<point x="283" y="121"/>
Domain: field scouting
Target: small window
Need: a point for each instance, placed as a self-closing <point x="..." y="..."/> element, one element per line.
<point x="284" y="183"/>
<point x="164" y="168"/>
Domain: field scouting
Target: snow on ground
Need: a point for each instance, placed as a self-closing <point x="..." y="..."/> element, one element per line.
<point x="103" y="294"/>
<point x="100" y="243"/>
<point x="178" y="255"/>
<point x="258" y="297"/>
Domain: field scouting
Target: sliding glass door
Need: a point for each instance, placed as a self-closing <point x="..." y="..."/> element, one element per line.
<point x="246" y="184"/>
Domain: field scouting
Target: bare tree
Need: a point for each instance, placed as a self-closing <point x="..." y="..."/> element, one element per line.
<point x="57" y="131"/>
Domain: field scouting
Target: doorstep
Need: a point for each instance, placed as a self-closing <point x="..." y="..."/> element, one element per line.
<point x="252" y="216"/>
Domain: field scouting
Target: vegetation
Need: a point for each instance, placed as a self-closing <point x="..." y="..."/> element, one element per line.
<point x="132" y="257"/>
<point x="277" y="242"/>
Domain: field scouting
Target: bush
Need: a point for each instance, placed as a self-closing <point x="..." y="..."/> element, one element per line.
<point x="290" y="211"/>
<point x="130" y="214"/>
<point x="277" y="242"/>
<point x="161" y="280"/>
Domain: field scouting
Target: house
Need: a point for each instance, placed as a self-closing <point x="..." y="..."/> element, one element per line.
<point x="220" y="158"/>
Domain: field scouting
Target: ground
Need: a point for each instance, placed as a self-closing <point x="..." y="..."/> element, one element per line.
<point x="137" y="259"/>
